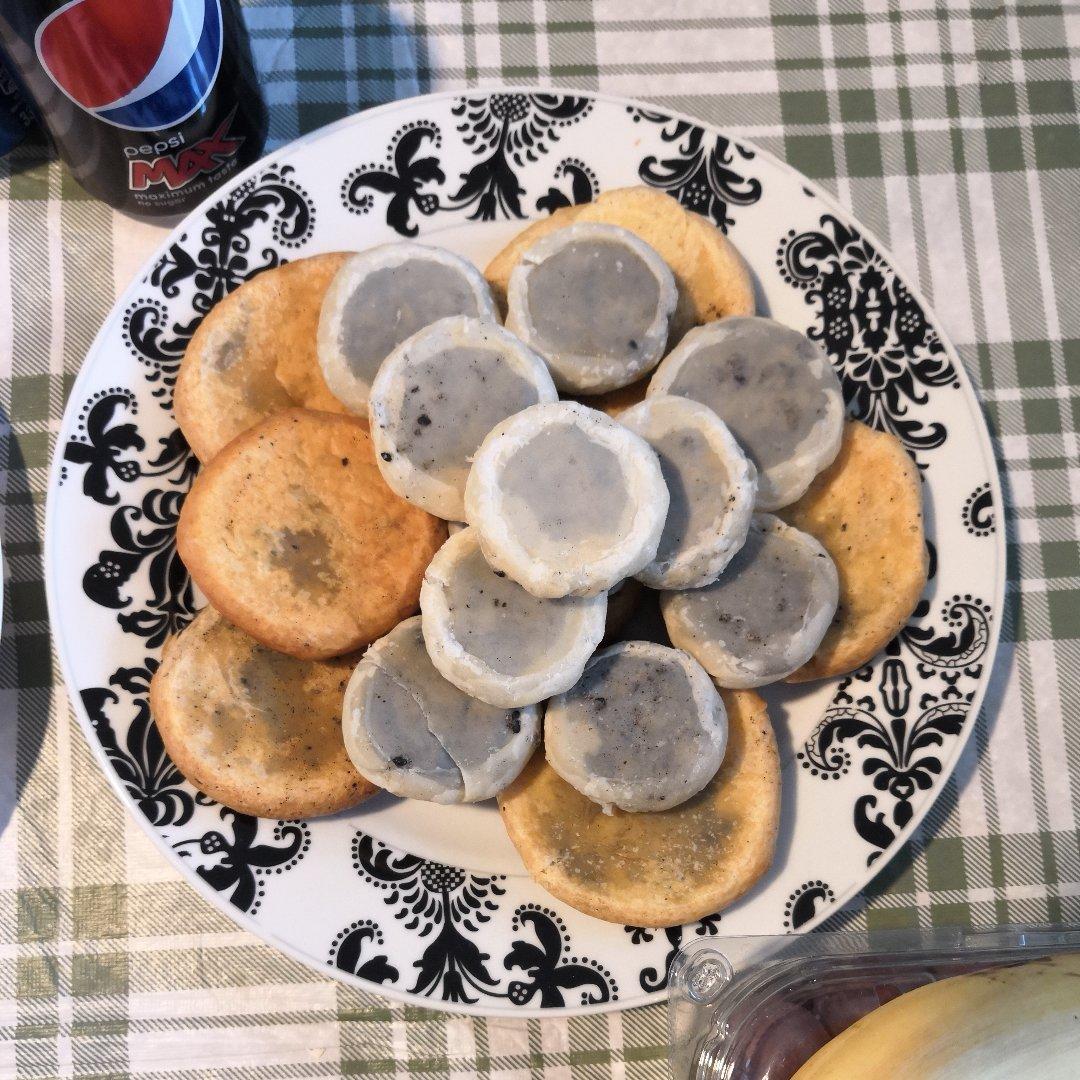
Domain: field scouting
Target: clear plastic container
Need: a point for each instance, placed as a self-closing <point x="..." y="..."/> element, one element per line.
<point x="758" y="1008"/>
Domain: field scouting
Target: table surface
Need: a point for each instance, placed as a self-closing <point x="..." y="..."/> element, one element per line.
<point x="950" y="128"/>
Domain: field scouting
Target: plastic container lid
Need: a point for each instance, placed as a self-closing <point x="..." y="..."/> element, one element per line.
<point x="758" y="1008"/>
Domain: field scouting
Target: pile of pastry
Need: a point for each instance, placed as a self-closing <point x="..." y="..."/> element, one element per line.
<point x="537" y="457"/>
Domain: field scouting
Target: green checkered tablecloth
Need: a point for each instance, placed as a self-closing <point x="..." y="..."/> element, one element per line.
<point x="950" y="128"/>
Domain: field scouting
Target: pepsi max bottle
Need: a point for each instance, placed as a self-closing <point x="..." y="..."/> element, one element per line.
<point x="151" y="103"/>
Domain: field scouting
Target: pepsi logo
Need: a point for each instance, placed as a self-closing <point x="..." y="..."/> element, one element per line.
<point x="144" y="66"/>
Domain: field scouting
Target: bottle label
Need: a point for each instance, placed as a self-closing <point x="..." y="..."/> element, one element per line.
<point x="173" y="171"/>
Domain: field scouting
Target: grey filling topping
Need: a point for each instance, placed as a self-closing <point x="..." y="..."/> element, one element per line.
<point x="306" y="556"/>
<point x="258" y="390"/>
<point x="760" y="383"/>
<point x="451" y="402"/>
<point x="498" y="622"/>
<point x="558" y="510"/>
<point x="641" y="716"/>
<point x="758" y="603"/>
<point x="593" y="297"/>
<point x="397" y="727"/>
<point x="230" y="347"/>
<point x="393" y="303"/>
<point x="694" y="473"/>
<point x="445" y="733"/>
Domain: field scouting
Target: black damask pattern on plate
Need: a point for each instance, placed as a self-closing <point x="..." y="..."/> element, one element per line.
<point x="222" y="258"/>
<point x="449" y="907"/>
<point x="238" y="859"/>
<point x="807" y="902"/>
<point x="957" y="651"/>
<point x="138" y="757"/>
<point x="978" y="512"/>
<point x="548" y="966"/>
<point x="443" y="903"/>
<point x="572" y="183"/>
<point x="410" y="174"/>
<point x="704" y="171"/>
<point x="885" y="351"/>
<point x="652" y="979"/>
<point x="505" y="131"/>
<point x="898" y="742"/>
<point x="355" y="950"/>
<point x="143" y="531"/>
<point x="105" y="445"/>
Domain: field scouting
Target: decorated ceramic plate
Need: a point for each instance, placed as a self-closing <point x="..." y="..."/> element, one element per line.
<point x="431" y="903"/>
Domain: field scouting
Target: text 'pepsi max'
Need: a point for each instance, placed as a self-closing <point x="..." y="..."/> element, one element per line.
<point x="151" y="103"/>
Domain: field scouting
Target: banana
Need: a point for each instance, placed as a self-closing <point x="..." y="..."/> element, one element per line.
<point x="1000" y="1024"/>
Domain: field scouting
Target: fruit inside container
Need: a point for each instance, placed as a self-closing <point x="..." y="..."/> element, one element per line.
<point x="895" y="1006"/>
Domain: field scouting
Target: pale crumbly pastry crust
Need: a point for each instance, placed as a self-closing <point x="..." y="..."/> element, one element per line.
<point x="245" y="361"/>
<point x="252" y="728"/>
<point x="293" y="535"/>
<point x="866" y="510"/>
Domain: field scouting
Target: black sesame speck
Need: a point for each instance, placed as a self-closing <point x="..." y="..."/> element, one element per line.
<point x="400" y="761"/>
<point x="423" y="420"/>
<point x="385" y="456"/>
